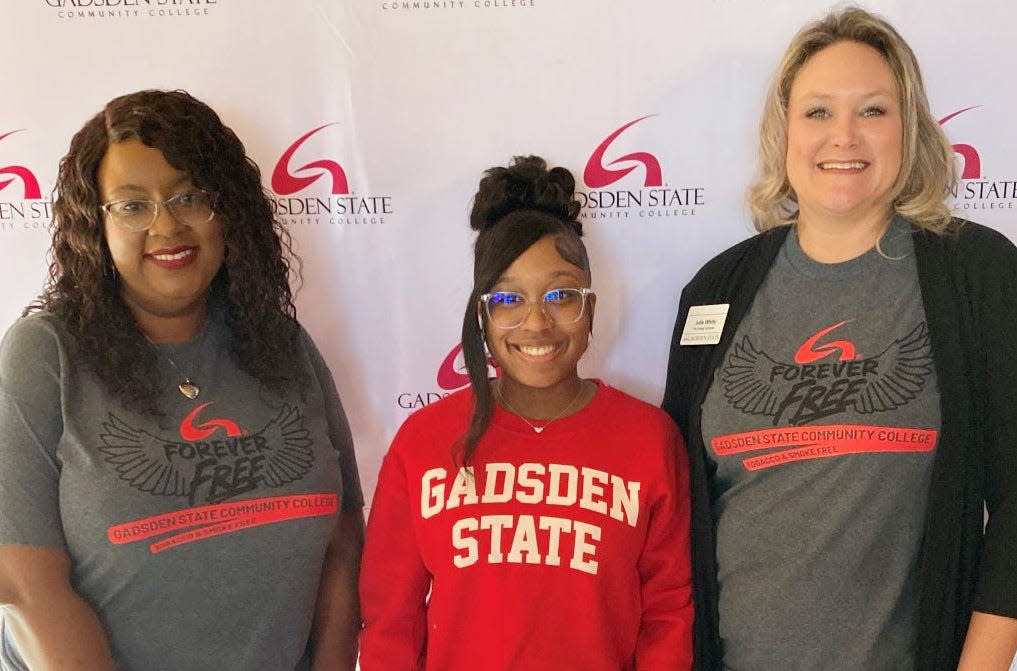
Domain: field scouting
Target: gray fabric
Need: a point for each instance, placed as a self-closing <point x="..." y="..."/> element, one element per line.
<point x="817" y="550"/>
<point x="74" y="464"/>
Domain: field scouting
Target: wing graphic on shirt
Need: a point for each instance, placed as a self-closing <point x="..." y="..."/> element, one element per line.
<point x="757" y="384"/>
<point x="903" y="369"/>
<point x="746" y="381"/>
<point x="134" y="453"/>
<point x="293" y="456"/>
<point x="166" y="467"/>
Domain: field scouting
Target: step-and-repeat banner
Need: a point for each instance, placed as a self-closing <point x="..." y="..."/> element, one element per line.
<point x="400" y="105"/>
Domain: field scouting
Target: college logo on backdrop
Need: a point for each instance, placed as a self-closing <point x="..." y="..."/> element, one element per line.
<point x="450" y="376"/>
<point x="976" y="190"/>
<point x="130" y="9"/>
<point x="285" y="183"/>
<point x="432" y="5"/>
<point x="22" y="205"/>
<point x="452" y="373"/>
<point x="8" y="174"/>
<point x="598" y="174"/>
<point x="622" y="183"/>
<point x="311" y="187"/>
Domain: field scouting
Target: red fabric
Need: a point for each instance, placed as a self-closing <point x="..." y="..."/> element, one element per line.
<point x="621" y="602"/>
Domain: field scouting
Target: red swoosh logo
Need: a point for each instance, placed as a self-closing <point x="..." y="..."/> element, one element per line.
<point x="972" y="161"/>
<point x="451" y="377"/>
<point x="597" y="175"/>
<point x="32" y="190"/>
<point x="808" y="352"/>
<point x="191" y="433"/>
<point x="284" y="182"/>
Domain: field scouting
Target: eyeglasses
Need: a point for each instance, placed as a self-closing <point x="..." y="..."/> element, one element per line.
<point x="191" y="208"/>
<point x="508" y="309"/>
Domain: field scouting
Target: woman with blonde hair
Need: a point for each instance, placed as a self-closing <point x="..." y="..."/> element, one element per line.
<point x="855" y="414"/>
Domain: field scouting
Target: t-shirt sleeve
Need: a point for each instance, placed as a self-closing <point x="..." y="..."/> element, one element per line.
<point x="997" y="312"/>
<point x="338" y="429"/>
<point x="31" y="424"/>
<point x="665" y="630"/>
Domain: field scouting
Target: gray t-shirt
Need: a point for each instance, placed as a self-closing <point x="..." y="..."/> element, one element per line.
<point x="197" y="538"/>
<point x="821" y="423"/>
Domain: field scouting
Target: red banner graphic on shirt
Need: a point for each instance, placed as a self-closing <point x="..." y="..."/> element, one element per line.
<point x="221" y="518"/>
<point x="817" y="442"/>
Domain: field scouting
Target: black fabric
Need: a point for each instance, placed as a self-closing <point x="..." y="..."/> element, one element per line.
<point x="968" y="279"/>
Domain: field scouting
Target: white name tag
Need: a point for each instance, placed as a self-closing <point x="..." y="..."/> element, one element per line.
<point x="705" y="324"/>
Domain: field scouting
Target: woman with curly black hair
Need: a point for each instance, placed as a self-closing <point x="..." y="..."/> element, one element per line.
<point x="538" y="520"/>
<point x="177" y="479"/>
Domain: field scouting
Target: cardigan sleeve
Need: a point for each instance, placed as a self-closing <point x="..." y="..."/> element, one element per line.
<point x="995" y="311"/>
<point x="677" y="384"/>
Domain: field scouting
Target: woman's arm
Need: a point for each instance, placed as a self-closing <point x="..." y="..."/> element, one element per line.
<point x="52" y="627"/>
<point x="991" y="643"/>
<point x="337" y="611"/>
<point x="337" y="614"/>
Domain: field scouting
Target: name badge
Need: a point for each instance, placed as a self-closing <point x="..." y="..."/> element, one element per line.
<point x="705" y="324"/>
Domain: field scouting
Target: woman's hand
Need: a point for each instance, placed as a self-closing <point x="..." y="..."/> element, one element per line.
<point x="52" y="627"/>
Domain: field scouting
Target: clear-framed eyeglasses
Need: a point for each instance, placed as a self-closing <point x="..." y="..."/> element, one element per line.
<point x="508" y="309"/>
<point x="192" y="208"/>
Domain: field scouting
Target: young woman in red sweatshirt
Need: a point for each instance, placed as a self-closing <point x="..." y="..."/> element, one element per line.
<point x="535" y="520"/>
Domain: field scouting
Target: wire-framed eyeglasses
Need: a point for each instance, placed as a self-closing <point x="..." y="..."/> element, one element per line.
<point x="192" y="208"/>
<point x="508" y="309"/>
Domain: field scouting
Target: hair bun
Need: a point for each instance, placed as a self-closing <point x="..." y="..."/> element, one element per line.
<point x="526" y="184"/>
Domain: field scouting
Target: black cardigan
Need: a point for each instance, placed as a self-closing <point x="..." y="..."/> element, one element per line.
<point x="968" y="280"/>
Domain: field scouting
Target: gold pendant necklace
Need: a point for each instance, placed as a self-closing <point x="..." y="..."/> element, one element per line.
<point x="188" y="388"/>
<point x="537" y="429"/>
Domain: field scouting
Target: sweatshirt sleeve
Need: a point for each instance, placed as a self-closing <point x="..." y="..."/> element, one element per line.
<point x="997" y="314"/>
<point x="664" y="642"/>
<point x="394" y="582"/>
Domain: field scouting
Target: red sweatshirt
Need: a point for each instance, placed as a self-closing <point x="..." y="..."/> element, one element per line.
<point x="567" y="550"/>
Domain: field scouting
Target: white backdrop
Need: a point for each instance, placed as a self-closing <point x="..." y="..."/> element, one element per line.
<point x="411" y="100"/>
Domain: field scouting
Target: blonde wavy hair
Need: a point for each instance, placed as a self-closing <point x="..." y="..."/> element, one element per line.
<point x="928" y="173"/>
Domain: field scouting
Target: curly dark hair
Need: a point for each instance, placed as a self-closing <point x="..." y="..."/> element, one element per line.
<point x="514" y="208"/>
<point x="252" y="285"/>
